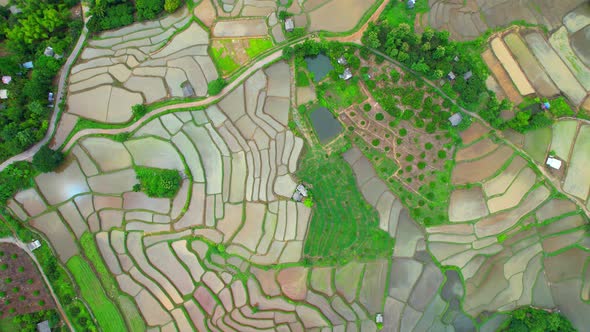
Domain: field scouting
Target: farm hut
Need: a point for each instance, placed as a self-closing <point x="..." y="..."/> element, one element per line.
<point x="346" y="75"/>
<point x="14" y="10"/>
<point x="456" y="58"/>
<point x="300" y="193"/>
<point x="546" y="105"/>
<point x="43" y="326"/>
<point x="49" y="51"/>
<point x="3" y="94"/>
<point x="342" y="61"/>
<point x="6" y="79"/>
<point x="28" y="65"/>
<point x="187" y="90"/>
<point x="379" y="318"/>
<point x="50" y="97"/>
<point x="289" y="24"/>
<point x="553" y="162"/>
<point x="468" y="75"/>
<point x="34" y="245"/>
<point x="451" y="76"/>
<point x="411" y="4"/>
<point x="455" y="119"/>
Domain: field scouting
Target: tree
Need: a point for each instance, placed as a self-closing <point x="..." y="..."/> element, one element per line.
<point x="148" y="9"/>
<point x="371" y="36"/>
<point x="288" y="52"/>
<point x="47" y="160"/>
<point x="138" y="111"/>
<point x="172" y="5"/>
<point x="214" y="87"/>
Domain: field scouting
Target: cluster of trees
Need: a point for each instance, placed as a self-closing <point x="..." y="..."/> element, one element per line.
<point x="28" y="322"/>
<point x="112" y="14"/>
<point x="156" y="182"/>
<point x="431" y="54"/>
<point x="531" y="319"/>
<point x="24" y="115"/>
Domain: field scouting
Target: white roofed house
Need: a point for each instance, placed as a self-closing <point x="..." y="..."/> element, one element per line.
<point x="342" y="61"/>
<point x="3" y="94"/>
<point x="455" y="119"/>
<point x="289" y="24"/>
<point x="553" y="162"/>
<point x="49" y="51"/>
<point x="346" y="75"/>
<point x="411" y="4"/>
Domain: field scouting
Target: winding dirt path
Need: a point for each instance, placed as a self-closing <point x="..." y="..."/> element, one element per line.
<point x="58" y="306"/>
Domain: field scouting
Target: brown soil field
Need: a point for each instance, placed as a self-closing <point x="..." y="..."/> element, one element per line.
<point x="476" y="171"/>
<point x="205" y="12"/>
<point x="467" y="204"/>
<point x="530" y="66"/>
<point x="240" y="28"/>
<point x="25" y="281"/>
<point x="475" y="131"/>
<point x="511" y="66"/>
<point x="349" y="13"/>
<point x="476" y="150"/>
<point x="501" y="77"/>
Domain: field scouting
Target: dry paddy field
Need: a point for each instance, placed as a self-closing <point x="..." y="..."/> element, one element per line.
<point x="526" y="251"/>
<point x="501" y="77"/>
<point x="141" y="63"/>
<point x="531" y="67"/>
<point x="349" y="13"/>
<point x="511" y="66"/>
<point x="555" y="68"/>
<point x="577" y="181"/>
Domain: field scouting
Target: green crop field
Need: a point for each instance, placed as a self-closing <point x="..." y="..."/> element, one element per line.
<point x="106" y="313"/>
<point x="257" y="46"/>
<point x="225" y="64"/>
<point x="344" y="226"/>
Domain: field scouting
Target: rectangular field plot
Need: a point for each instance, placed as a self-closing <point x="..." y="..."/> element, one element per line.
<point x="501" y="76"/>
<point x="530" y="66"/>
<point x="560" y="42"/>
<point x="577" y="181"/>
<point x="516" y="74"/>
<point x="564" y="133"/>
<point x="556" y="69"/>
<point x="106" y="313"/>
<point x="536" y="143"/>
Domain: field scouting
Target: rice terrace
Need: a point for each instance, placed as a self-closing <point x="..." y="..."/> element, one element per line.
<point x="294" y="165"/>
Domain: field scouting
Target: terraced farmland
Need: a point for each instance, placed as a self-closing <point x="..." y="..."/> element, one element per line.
<point x="509" y="257"/>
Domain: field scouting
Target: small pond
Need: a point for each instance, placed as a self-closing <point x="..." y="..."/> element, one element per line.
<point x="319" y="65"/>
<point x="325" y="125"/>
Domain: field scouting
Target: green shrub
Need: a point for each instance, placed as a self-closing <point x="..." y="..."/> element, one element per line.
<point x="157" y="182"/>
<point x="375" y="142"/>
<point x="301" y="79"/>
<point x="421" y="165"/>
<point x="379" y="116"/>
<point x="3" y="267"/>
<point x="47" y="160"/>
<point x="214" y="87"/>
<point x="442" y="154"/>
<point x="409" y="158"/>
<point x="367" y="107"/>
<point x="138" y="110"/>
<point x="403" y="132"/>
<point x="148" y="9"/>
<point x="172" y="5"/>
